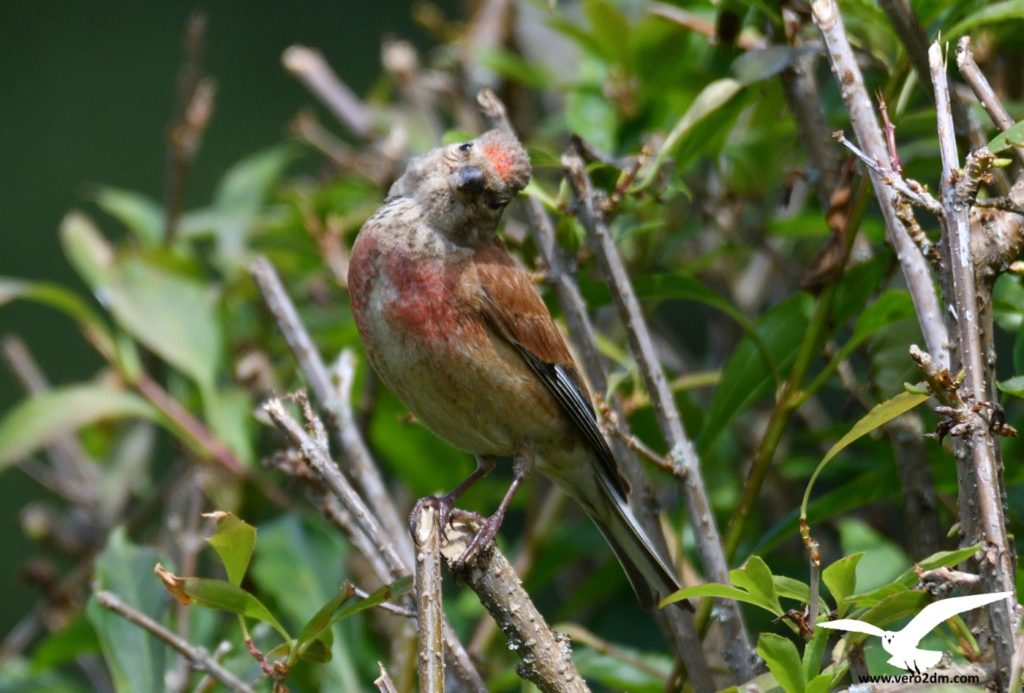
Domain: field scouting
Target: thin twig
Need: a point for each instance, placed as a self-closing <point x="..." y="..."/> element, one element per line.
<point x="979" y="84"/>
<point x="211" y="446"/>
<point x="192" y="112"/>
<point x="583" y="338"/>
<point x="383" y="682"/>
<point x="336" y="405"/>
<point x="958" y="189"/>
<point x="317" y="456"/>
<point x="738" y="651"/>
<point x="199" y="657"/>
<point x="869" y="135"/>
<point x="426" y="528"/>
<point x="75" y="474"/>
<point x="310" y="67"/>
<point x="916" y="194"/>
<point x="545" y="656"/>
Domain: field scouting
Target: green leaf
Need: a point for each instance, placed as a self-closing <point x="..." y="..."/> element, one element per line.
<point x="134" y="657"/>
<point x="841" y="579"/>
<point x="86" y="249"/>
<point x="814" y="652"/>
<point x="589" y="114"/>
<point x="891" y="306"/>
<point x="1012" y="136"/>
<point x="139" y="213"/>
<point x="755" y="577"/>
<point x="611" y="30"/>
<point x="297" y="564"/>
<point x="228" y="411"/>
<point x="39" y="419"/>
<point x="233" y="541"/>
<point x="822" y="683"/>
<point x="321" y="621"/>
<point x="1012" y="386"/>
<point x="988" y="14"/>
<point x="783" y="661"/>
<point x="908" y="578"/>
<point x="173" y="316"/>
<point x="791" y="588"/>
<point x="713" y="589"/>
<point x="221" y="595"/>
<point x="248" y="182"/>
<point x="711" y="98"/>
<point x="880" y="414"/>
<point x="375" y="598"/>
<point x="62" y="299"/>
<point x="746" y="377"/>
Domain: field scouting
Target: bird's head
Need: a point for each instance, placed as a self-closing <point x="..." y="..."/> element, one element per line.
<point x="463" y="188"/>
<point x="888" y="637"/>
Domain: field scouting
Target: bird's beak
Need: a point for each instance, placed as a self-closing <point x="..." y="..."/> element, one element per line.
<point x="470" y="179"/>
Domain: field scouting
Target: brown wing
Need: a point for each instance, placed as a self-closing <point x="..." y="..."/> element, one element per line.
<point x="516" y="313"/>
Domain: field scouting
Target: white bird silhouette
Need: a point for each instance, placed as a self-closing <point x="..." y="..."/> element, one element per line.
<point x="903" y="645"/>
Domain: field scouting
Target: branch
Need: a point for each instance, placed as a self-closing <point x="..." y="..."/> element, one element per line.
<point x="958" y="188"/>
<point x="584" y="341"/>
<point x="192" y="112"/>
<point x="75" y="475"/>
<point x="869" y="135"/>
<point x="334" y="401"/>
<point x="310" y="67"/>
<point x="383" y="682"/>
<point x="545" y="656"/>
<point x="978" y="83"/>
<point x="197" y="656"/>
<point x="383" y="552"/>
<point x="914" y="193"/>
<point x="738" y="651"/>
<point x="427" y="537"/>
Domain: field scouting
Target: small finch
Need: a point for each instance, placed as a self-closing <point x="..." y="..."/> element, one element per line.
<point x="455" y="328"/>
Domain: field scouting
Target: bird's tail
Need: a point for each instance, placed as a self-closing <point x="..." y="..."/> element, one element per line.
<point x="648" y="573"/>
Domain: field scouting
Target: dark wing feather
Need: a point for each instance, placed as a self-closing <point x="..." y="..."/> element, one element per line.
<point x="516" y="312"/>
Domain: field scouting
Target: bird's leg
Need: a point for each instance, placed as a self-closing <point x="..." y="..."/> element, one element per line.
<point x="445" y="503"/>
<point x="490" y="527"/>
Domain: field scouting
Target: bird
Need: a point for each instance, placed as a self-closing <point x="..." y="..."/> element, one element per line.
<point x="455" y="328"/>
<point x="903" y="645"/>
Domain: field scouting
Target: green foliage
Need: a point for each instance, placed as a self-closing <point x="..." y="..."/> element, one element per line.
<point x="711" y="197"/>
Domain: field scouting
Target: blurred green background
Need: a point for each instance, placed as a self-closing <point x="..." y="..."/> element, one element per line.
<point x="87" y="94"/>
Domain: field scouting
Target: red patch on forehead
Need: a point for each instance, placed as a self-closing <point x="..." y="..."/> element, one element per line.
<point x="501" y="159"/>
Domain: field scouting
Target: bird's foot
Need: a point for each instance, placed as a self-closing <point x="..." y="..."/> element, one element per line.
<point x="443" y="505"/>
<point x="488" y="529"/>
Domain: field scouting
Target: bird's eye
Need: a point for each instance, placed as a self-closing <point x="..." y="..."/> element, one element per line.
<point x="496" y="203"/>
<point x="465" y="147"/>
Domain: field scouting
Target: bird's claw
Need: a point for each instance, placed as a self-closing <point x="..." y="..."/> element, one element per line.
<point x="485" y="535"/>
<point x="443" y="505"/>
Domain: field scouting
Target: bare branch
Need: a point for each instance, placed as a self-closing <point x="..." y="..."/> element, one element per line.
<point x="869" y="135"/>
<point x="916" y="193"/>
<point x="738" y="651"/>
<point x="383" y="552"/>
<point x="192" y="112"/>
<point x="310" y="67"/>
<point x="383" y="682"/>
<point x="427" y="537"/>
<point x="545" y="656"/>
<point x="958" y="189"/>
<point x="983" y="90"/>
<point x="340" y="418"/>
<point x="197" y="656"/>
<point x="583" y="338"/>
